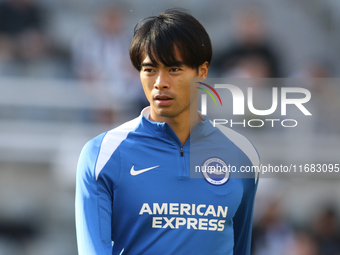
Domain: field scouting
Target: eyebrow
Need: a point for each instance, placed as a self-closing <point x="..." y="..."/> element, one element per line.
<point x="175" y="63"/>
<point x="148" y="64"/>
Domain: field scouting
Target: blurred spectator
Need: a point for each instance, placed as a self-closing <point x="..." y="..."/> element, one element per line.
<point x="272" y="234"/>
<point x="251" y="55"/>
<point x="315" y="75"/>
<point x="312" y="73"/>
<point x="251" y="66"/>
<point x="326" y="232"/>
<point x="21" y="32"/>
<point x="304" y="244"/>
<point x="101" y="55"/>
<point x="19" y="16"/>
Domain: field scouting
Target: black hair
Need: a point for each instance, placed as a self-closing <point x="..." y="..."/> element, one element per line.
<point x="159" y="36"/>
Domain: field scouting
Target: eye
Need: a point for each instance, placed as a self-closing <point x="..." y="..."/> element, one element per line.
<point x="148" y="70"/>
<point x="174" y="69"/>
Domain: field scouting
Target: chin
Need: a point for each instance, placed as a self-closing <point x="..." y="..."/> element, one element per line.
<point x="166" y="113"/>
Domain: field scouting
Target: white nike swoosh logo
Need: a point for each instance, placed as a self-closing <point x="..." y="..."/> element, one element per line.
<point x="134" y="172"/>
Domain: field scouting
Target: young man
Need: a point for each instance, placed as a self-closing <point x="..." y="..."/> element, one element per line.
<point x="134" y="193"/>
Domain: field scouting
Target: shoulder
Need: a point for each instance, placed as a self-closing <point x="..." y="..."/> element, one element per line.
<point x="98" y="151"/>
<point x="242" y="143"/>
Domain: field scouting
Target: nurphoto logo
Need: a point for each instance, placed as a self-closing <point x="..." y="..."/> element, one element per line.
<point x="238" y="105"/>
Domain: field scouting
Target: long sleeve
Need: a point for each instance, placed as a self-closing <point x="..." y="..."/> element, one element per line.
<point x="93" y="204"/>
<point x="243" y="219"/>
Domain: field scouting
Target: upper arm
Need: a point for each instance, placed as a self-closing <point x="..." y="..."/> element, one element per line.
<point x="93" y="204"/>
<point x="243" y="218"/>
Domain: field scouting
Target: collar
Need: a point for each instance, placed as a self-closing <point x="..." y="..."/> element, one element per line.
<point x="163" y="129"/>
<point x="146" y="113"/>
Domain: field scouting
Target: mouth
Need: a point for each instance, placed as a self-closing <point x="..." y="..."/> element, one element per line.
<point x="162" y="97"/>
<point x="163" y="100"/>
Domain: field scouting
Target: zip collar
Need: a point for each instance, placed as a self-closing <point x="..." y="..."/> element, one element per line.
<point x="163" y="129"/>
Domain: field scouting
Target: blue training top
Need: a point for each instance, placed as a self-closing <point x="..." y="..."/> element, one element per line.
<point x="140" y="191"/>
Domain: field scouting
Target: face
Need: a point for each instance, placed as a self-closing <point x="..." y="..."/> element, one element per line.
<point x="168" y="89"/>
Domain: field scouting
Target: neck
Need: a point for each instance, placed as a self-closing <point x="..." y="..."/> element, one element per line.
<point x="184" y="127"/>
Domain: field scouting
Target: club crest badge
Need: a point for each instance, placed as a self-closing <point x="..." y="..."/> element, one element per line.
<point x="215" y="171"/>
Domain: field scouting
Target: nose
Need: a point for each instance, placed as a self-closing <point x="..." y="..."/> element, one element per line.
<point x="162" y="80"/>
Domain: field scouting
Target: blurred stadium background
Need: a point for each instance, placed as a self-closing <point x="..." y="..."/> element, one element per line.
<point x="65" y="77"/>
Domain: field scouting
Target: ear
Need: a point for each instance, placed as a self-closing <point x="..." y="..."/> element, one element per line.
<point x="203" y="70"/>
